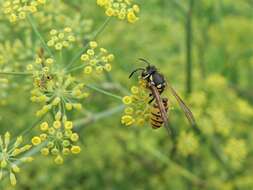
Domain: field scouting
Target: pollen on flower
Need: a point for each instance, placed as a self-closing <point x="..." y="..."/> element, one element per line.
<point x="10" y="154"/>
<point x="96" y="59"/>
<point x="123" y="10"/>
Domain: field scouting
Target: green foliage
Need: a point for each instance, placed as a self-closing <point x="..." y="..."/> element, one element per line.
<point x="215" y="154"/>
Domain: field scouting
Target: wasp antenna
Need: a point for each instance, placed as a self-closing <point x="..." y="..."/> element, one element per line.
<point x="145" y="61"/>
<point x="139" y="69"/>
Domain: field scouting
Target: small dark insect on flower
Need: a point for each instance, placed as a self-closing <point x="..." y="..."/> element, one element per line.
<point x="156" y="83"/>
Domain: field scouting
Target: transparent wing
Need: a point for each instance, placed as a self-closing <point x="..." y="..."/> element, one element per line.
<point x="183" y="106"/>
<point x="162" y="109"/>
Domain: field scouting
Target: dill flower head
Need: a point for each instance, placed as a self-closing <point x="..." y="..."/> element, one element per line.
<point x="96" y="59"/>
<point x="16" y="10"/>
<point x="59" y="139"/>
<point x="11" y="155"/>
<point x="122" y="9"/>
<point x="60" y="39"/>
<point x="137" y="111"/>
<point x="53" y="89"/>
<point x="20" y="54"/>
<point x="235" y="151"/>
<point x="188" y="144"/>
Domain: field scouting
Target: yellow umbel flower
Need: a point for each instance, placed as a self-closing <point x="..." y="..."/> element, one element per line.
<point x="188" y="144"/>
<point x="59" y="139"/>
<point x="137" y="109"/>
<point x="123" y="10"/>
<point x="16" y="10"/>
<point x="60" y="39"/>
<point x="235" y="151"/>
<point x="52" y="88"/>
<point x="96" y="59"/>
<point x="11" y="154"/>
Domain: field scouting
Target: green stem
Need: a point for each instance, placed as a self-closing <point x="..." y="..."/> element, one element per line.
<point x="95" y="117"/>
<point x="36" y="31"/>
<point x="104" y="92"/>
<point x="188" y="28"/>
<point x="184" y="172"/>
<point x="15" y="73"/>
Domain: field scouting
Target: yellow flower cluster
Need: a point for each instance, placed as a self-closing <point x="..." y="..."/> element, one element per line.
<point x="236" y="151"/>
<point x="188" y="144"/>
<point x="18" y="9"/>
<point x="53" y="88"/>
<point x="59" y="139"/>
<point x="97" y="59"/>
<point x="10" y="155"/>
<point x="61" y="39"/>
<point x="19" y="52"/>
<point x="62" y="94"/>
<point x="122" y="9"/>
<point x="137" y="110"/>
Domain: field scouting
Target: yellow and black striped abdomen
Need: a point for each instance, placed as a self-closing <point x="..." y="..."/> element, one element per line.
<point x="156" y="119"/>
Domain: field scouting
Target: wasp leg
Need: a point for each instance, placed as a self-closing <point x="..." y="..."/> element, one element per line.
<point x="151" y="100"/>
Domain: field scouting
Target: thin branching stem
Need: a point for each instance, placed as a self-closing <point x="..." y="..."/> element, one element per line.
<point x="36" y="31"/>
<point x="15" y="73"/>
<point x="184" y="172"/>
<point x="188" y="41"/>
<point x="103" y="91"/>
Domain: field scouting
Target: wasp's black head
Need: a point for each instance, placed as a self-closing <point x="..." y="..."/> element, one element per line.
<point x="150" y="69"/>
<point x="146" y="72"/>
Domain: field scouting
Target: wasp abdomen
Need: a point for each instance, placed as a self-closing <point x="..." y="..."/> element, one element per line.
<point x="156" y="117"/>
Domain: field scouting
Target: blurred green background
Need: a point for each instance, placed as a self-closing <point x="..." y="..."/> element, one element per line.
<point x="204" y="48"/>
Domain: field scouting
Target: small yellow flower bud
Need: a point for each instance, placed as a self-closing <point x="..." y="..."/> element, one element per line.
<point x="127" y="100"/>
<point x="65" y="151"/>
<point x="44" y="151"/>
<point x="68" y="106"/>
<point x="57" y="124"/>
<point x="108" y="67"/>
<point x="88" y="70"/>
<point x="53" y="32"/>
<point x="93" y="44"/>
<point x="77" y="106"/>
<point x="75" y="149"/>
<point x="44" y="126"/>
<point x="36" y="141"/>
<point x="13" y="179"/>
<point x="15" y="168"/>
<point x="67" y="29"/>
<point x="68" y="125"/>
<point x="85" y="57"/>
<point x="56" y="101"/>
<point x="74" y="137"/>
<point x="58" y="46"/>
<point x="90" y="52"/>
<point x="58" y="160"/>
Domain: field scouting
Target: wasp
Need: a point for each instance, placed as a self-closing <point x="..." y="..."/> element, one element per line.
<point x="156" y="83"/>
